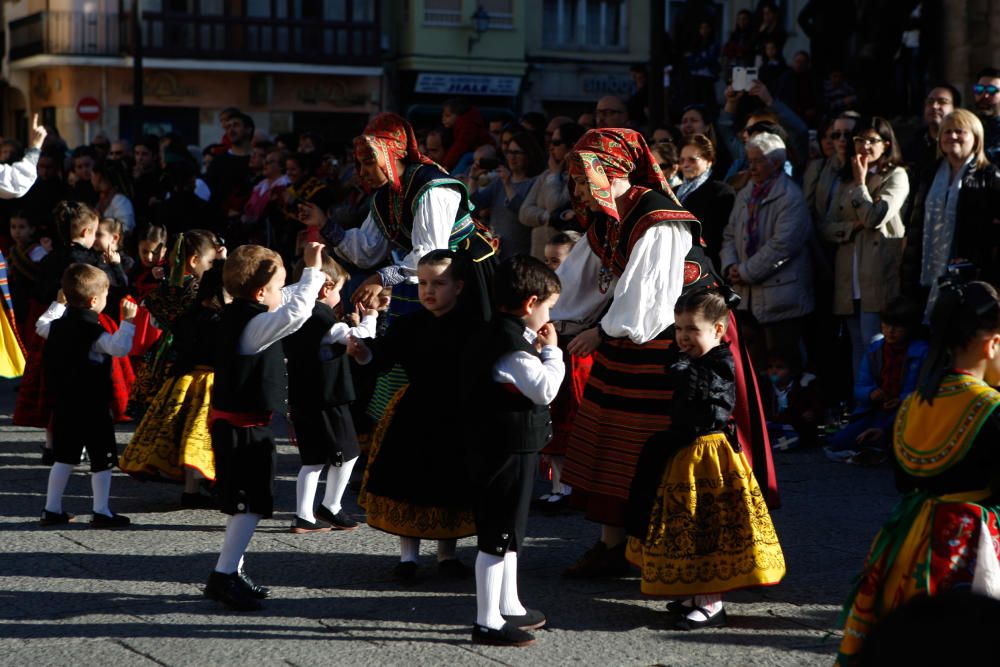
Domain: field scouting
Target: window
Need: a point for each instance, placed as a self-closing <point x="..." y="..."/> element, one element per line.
<point x="586" y="24"/>
<point x="501" y="13"/>
<point x="443" y="12"/>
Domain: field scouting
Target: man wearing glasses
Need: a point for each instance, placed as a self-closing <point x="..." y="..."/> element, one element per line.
<point x="611" y="112"/>
<point x="987" y="94"/>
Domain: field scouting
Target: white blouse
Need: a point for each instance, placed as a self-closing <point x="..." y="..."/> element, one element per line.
<point x="433" y="221"/>
<point x="642" y="299"/>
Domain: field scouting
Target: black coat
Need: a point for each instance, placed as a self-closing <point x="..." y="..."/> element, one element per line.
<point x="977" y="234"/>
<point x="711" y="204"/>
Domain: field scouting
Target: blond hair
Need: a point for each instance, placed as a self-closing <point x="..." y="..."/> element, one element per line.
<point x="83" y="282"/>
<point x="961" y="119"/>
<point x="249" y="268"/>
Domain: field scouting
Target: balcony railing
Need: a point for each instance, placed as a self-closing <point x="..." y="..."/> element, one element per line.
<point x="202" y="37"/>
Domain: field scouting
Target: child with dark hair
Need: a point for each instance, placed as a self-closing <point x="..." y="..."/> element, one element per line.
<point x="416" y="485"/>
<point x="144" y="277"/>
<point x="698" y="523"/>
<point x="172" y="442"/>
<point x="793" y="405"/>
<point x="193" y="254"/>
<point x="249" y="387"/>
<point x="511" y="374"/>
<point x="888" y="374"/>
<point x="113" y="261"/>
<point x="941" y="536"/>
<point x="24" y="258"/>
<point x="77" y="363"/>
<point x="320" y="391"/>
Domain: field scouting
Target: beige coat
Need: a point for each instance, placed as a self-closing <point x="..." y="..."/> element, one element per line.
<point x="877" y="245"/>
<point x="547" y="195"/>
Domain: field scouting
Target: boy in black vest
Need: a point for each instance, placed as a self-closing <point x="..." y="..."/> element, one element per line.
<point x="77" y="363"/>
<point x="514" y="371"/>
<point x="250" y="385"/>
<point x="320" y="391"/>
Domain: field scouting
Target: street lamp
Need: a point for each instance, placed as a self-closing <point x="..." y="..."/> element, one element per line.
<point x="480" y="23"/>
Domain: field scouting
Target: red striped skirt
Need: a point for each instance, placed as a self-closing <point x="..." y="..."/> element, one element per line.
<point x="627" y="399"/>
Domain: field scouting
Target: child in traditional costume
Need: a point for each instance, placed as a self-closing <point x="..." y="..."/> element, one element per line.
<point x="320" y="391"/>
<point x="705" y="529"/>
<point x="417" y="485"/>
<point x="943" y="533"/>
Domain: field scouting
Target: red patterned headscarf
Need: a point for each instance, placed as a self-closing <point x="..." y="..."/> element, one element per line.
<point x="606" y="154"/>
<point x="389" y="137"/>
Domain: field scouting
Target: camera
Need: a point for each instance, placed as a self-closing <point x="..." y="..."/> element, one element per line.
<point x="488" y="163"/>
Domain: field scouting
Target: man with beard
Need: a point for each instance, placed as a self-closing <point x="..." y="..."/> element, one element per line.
<point x="987" y="94"/>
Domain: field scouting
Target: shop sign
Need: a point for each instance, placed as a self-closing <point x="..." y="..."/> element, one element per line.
<point x="163" y="86"/>
<point x="607" y="84"/>
<point x="468" y="84"/>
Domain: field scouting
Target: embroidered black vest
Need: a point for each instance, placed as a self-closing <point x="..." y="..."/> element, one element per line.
<point x="393" y="212"/>
<point x="246" y="382"/>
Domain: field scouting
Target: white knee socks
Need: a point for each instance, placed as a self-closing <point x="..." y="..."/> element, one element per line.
<point x="100" y="483"/>
<point x="337" y="478"/>
<point x="409" y="549"/>
<point x="510" y="605"/>
<point x="239" y="530"/>
<point x="305" y="491"/>
<point x="58" y="477"/>
<point x="489" y="586"/>
<point x="446" y="549"/>
<point x="710" y="603"/>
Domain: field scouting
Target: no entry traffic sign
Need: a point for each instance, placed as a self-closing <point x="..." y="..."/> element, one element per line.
<point x="88" y="109"/>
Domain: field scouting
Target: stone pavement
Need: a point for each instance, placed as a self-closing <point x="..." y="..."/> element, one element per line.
<point x="76" y="596"/>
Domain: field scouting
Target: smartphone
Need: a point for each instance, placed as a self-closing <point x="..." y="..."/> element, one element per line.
<point x="740" y="79"/>
<point x="488" y="163"/>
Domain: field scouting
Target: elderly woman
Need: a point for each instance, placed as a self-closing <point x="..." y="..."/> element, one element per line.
<point x="764" y="253"/>
<point x="549" y="196"/>
<point x="709" y="200"/>
<point x="865" y="226"/>
<point x="954" y="214"/>
<point x="620" y="287"/>
<point x="416" y="208"/>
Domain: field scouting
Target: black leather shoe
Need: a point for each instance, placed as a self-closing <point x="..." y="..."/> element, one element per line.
<point x="532" y="619"/>
<point x="229" y="590"/>
<point x="256" y="590"/>
<point x="682" y="607"/>
<point x="114" y="521"/>
<point x="405" y="572"/>
<point x="54" y="519"/>
<point x="338" y="521"/>
<point x="508" y="635"/>
<point x="300" y="526"/>
<point x="454" y="569"/>
<point x="716" y="620"/>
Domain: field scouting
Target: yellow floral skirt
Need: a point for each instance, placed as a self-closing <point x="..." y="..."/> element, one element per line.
<point x="406" y="519"/>
<point x="709" y="530"/>
<point x="173" y="434"/>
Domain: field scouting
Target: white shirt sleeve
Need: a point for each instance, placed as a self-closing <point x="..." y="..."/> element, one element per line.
<point x="265" y="329"/>
<point x="645" y="294"/>
<point x="121" y="209"/>
<point x="16" y="179"/>
<point x="339" y="332"/>
<point x="37" y="253"/>
<point x="580" y="300"/>
<point x="538" y="379"/>
<point x="432" y="224"/>
<point x="118" y="344"/>
<point x="364" y="246"/>
<point x="45" y="320"/>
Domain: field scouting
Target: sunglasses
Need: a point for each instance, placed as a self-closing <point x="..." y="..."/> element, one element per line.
<point x="515" y="152"/>
<point x="840" y="134"/>
<point x="556" y="142"/>
<point x="980" y="89"/>
<point x="868" y="141"/>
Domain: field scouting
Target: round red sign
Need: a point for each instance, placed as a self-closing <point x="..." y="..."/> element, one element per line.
<point x="88" y="109"/>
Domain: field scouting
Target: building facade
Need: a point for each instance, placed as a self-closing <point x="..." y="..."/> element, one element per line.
<point x="290" y="64"/>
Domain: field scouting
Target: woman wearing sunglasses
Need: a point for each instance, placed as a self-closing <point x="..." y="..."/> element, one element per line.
<point x="864" y="223"/>
<point x="548" y="197"/>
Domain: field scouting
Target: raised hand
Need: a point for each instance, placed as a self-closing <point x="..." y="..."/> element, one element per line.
<point x="312" y="255"/>
<point x="129" y="309"/>
<point x="37" y="134"/>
